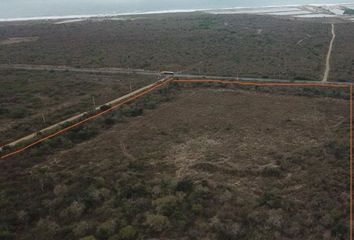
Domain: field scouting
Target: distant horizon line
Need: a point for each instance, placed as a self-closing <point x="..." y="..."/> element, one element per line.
<point x="115" y="14"/>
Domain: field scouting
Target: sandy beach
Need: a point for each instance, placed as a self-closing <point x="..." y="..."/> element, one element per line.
<point x="302" y="11"/>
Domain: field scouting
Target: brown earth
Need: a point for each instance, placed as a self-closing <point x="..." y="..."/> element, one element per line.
<point x="18" y="40"/>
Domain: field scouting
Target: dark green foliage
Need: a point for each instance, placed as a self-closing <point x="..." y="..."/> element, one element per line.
<point x="127" y="233"/>
<point x="337" y="149"/>
<point x="5" y="235"/>
<point x="3" y="111"/>
<point x="19" y="113"/>
<point x="106" y="229"/>
<point x="105" y="107"/>
<point x="81" y="133"/>
<point x="185" y="185"/>
<point x="131" y="190"/>
<point x="349" y="11"/>
<point x="270" y="199"/>
<point x="136" y="112"/>
<point x="207" y="23"/>
<point x="109" y="121"/>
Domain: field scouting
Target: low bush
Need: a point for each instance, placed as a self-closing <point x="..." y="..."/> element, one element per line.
<point x="127" y="233"/>
<point x="157" y="223"/>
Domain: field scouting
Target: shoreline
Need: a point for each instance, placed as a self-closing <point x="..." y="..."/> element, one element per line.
<point x="235" y="10"/>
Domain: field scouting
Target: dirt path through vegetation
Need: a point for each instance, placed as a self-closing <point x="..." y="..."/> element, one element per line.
<point x="328" y="59"/>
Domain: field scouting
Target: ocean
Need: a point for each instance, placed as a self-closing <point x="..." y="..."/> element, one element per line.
<point x="10" y="9"/>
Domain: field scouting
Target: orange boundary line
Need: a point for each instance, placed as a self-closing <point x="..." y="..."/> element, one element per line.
<point x="305" y="85"/>
<point x="262" y="83"/>
<point x="226" y="82"/>
<point x="82" y="121"/>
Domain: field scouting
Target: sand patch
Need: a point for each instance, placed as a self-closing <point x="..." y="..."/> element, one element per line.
<point x="16" y="40"/>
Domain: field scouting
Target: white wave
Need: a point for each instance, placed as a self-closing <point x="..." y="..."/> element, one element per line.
<point x="96" y="15"/>
<point x="248" y="9"/>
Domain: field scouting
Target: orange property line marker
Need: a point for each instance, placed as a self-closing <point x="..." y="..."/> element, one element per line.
<point x="262" y="83"/>
<point x="83" y="121"/>
<point x="226" y="82"/>
<point x="304" y="85"/>
<point x="158" y="85"/>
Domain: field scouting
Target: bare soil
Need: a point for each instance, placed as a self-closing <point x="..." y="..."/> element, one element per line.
<point x="15" y="40"/>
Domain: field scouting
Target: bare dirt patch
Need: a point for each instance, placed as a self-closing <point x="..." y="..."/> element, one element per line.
<point x="16" y="40"/>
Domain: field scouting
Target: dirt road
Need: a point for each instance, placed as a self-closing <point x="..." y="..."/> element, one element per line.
<point x="75" y="69"/>
<point x="79" y="119"/>
<point x="328" y="59"/>
<point x="149" y="72"/>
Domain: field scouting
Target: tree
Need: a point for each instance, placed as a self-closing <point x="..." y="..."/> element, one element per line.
<point x="157" y="223"/>
<point x="46" y="229"/>
<point x="127" y="233"/>
<point x="106" y="229"/>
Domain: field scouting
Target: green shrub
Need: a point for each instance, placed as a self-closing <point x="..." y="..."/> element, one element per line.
<point x="166" y="205"/>
<point x="157" y="223"/>
<point x="271" y="170"/>
<point x="81" y="228"/>
<point x="109" y="121"/>
<point x="271" y="199"/>
<point x="60" y="190"/>
<point x="6" y="235"/>
<point x="19" y="113"/>
<point x="46" y="229"/>
<point x="4" y="111"/>
<point x="127" y="233"/>
<point x="106" y="229"/>
<point x="105" y="107"/>
<point x="185" y="185"/>
<point x="137" y="111"/>
<point x="197" y="208"/>
<point x="88" y="238"/>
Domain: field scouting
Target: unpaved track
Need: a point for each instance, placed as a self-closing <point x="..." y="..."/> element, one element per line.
<point x="75" y="69"/>
<point x="113" y="70"/>
<point x="328" y="59"/>
<point x="76" y="120"/>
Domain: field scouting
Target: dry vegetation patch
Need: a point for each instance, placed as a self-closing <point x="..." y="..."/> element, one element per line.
<point x="193" y="43"/>
<point x="210" y="164"/>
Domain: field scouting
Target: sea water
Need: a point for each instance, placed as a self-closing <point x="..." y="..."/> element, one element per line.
<point x="37" y="9"/>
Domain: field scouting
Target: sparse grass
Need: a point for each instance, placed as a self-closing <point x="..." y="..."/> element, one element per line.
<point x="245" y="178"/>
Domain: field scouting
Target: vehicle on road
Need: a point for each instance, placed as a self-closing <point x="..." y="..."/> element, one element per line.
<point x="167" y="73"/>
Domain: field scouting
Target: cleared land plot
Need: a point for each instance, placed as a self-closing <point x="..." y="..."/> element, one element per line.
<point x="26" y="95"/>
<point x="254" y="46"/>
<point x="211" y="164"/>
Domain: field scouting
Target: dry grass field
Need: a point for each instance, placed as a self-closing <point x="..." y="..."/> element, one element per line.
<point x="211" y="163"/>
